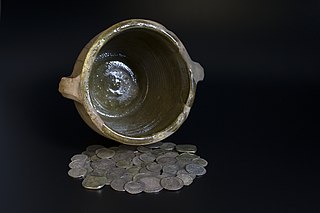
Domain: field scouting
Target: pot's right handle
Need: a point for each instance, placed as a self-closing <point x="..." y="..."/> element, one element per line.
<point x="198" y="72"/>
<point x="70" y="88"/>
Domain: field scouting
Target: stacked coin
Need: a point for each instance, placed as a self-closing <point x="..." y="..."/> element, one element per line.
<point x="137" y="169"/>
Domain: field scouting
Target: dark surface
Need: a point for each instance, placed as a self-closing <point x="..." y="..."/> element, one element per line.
<point x="255" y="118"/>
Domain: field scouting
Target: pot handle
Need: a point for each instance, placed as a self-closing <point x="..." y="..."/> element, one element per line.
<point x="70" y="88"/>
<point x="198" y="72"/>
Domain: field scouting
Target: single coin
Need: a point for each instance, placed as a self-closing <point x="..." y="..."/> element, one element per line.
<point x="94" y="158"/>
<point x="80" y="157"/>
<point x="166" y="160"/>
<point x="76" y="164"/>
<point x="138" y="176"/>
<point x="143" y="149"/>
<point x="123" y="155"/>
<point x="167" y="146"/>
<point x="102" y="163"/>
<point x="171" y="154"/>
<point x="88" y="153"/>
<point x="137" y="161"/>
<point x="124" y="164"/>
<point x="187" y="179"/>
<point x="133" y="170"/>
<point x="127" y="176"/>
<point x="186" y="148"/>
<point x="118" y="184"/>
<point x="158" y="152"/>
<point x="92" y="182"/>
<point x="115" y="172"/>
<point x="182" y="162"/>
<point x="88" y="168"/>
<point x="195" y="169"/>
<point x="105" y="153"/>
<point x="171" y="183"/>
<point x="93" y="148"/>
<point x="108" y="180"/>
<point x="183" y="171"/>
<point x="154" y="167"/>
<point x="152" y="184"/>
<point x="77" y="172"/>
<point x="170" y="169"/>
<point x="98" y="172"/>
<point x="200" y="161"/>
<point x="134" y="187"/>
<point x="163" y="175"/>
<point x="147" y="157"/>
<point x="187" y="155"/>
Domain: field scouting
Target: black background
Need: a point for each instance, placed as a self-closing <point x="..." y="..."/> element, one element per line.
<point x="255" y="117"/>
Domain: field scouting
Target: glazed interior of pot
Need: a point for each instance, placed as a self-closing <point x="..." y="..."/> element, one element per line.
<point x="139" y="82"/>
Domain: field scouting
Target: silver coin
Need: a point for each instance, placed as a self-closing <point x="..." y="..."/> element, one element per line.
<point x="109" y="179"/>
<point x="127" y="176"/>
<point x="88" y="153"/>
<point x="123" y="155"/>
<point x="94" y="158"/>
<point x="166" y="160"/>
<point x="147" y="157"/>
<point x="92" y="182"/>
<point x="163" y="175"/>
<point x="170" y="169"/>
<point x="143" y="149"/>
<point x="134" y="187"/>
<point x="167" y="146"/>
<point x="183" y="171"/>
<point x="152" y="184"/>
<point x="76" y="164"/>
<point x="77" y="172"/>
<point x="105" y="153"/>
<point x="195" y="169"/>
<point x="93" y="148"/>
<point x="115" y="172"/>
<point x="186" y="148"/>
<point x="171" y="154"/>
<point x="137" y="161"/>
<point x="158" y="152"/>
<point x="182" y="162"/>
<point x="200" y="161"/>
<point x="187" y="179"/>
<point x="138" y="176"/>
<point x="154" y="167"/>
<point x="88" y="168"/>
<point x="154" y="145"/>
<point x="80" y="157"/>
<point x="144" y="170"/>
<point x="133" y="170"/>
<point x="118" y="184"/>
<point x="124" y="164"/>
<point x="98" y="172"/>
<point x="187" y="155"/>
<point x="102" y="163"/>
<point x="171" y="183"/>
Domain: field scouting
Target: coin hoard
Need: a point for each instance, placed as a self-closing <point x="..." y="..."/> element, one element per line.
<point x="136" y="169"/>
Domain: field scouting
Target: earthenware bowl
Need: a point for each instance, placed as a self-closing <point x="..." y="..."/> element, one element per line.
<point x="134" y="82"/>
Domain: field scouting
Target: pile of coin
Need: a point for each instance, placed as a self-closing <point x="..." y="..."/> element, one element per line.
<point x="136" y="169"/>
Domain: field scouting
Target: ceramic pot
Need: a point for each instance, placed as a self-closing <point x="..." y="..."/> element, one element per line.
<point x="134" y="82"/>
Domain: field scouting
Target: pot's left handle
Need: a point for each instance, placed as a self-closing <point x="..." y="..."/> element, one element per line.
<point x="70" y="88"/>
